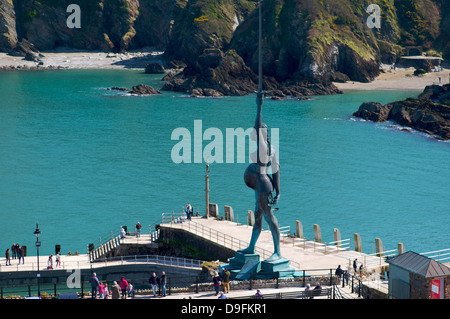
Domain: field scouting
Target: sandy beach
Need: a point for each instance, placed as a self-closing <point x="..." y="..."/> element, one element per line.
<point x="400" y="79"/>
<point x="70" y="59"/>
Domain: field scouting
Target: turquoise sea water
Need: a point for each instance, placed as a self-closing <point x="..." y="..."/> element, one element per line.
<point x="82" y="161"/>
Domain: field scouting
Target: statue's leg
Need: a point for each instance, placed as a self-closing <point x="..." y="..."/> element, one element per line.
<point x="274" y="229"/>
<point x="256" y="231"/>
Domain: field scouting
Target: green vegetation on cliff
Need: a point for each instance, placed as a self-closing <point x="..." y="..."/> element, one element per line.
<point x="313" y="39"/>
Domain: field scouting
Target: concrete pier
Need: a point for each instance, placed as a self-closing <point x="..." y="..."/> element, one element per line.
<point x="302" y="253"/>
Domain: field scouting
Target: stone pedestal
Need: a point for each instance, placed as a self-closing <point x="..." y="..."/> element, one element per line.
<point x="276" y="268"/>
<point x="242" y="265"/>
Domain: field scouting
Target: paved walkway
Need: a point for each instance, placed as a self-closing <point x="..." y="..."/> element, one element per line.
<point x="303" y="253"/>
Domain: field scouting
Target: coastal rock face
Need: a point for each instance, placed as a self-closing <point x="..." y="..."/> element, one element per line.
<point x="430" y="113"/>
<point x="8" y="34"/>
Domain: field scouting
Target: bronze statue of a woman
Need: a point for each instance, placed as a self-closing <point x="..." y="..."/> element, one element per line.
<point x="263" y="174"/>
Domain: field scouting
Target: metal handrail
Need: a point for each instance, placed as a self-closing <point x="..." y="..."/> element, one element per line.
<point x="227" y="240"/>
<point x="438" y="254"/>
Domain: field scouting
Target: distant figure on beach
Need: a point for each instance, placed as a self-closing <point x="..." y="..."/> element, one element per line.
<point x="263" y="176"/>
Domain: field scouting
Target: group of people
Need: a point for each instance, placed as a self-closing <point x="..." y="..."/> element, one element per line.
<point x="223" y="281"/>
<point x="310" y="293"/>
<point x="158" y="282"/>
<point x="16" y="252"/>
<point x="50" y="261"/>
<point x="121" y="290"/>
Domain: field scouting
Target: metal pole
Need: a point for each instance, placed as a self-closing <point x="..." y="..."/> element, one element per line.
<point x="207" y="191"/>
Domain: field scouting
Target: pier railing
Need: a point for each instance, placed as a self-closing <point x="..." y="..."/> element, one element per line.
<point x="442" y="255"/>
<point x="225" y="239"/>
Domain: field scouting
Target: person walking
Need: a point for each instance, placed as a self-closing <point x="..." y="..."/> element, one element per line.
<point x="115" y="290"/>
<point x="130" y="290"/>
<point x="216" y="282"/>
<point x="94" y="285"/>
<point x="355" y="266"/>
<point x="138" y="229"/>
<point x="154" y="283"/>
<point x="58" y="259"/>
<point x="339" y="272"/>
<point x="162" y="283"/>
<point x="226" y="280"/>
<point x="22" y="253"/>
<point x="50" y="262"/>
<point x="8" y="259"/>
<point x="123" y="283"/>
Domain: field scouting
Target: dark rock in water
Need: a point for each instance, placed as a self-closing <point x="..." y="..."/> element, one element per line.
<point x="373" y="111"/>
<point x="115" y="88"/>
<point x="142" y="89"/>
<point x="422" y="114"/>
<point x="155" y="68"/>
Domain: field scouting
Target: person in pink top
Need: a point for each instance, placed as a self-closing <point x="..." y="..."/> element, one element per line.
<point x="101" y="290"/>
<point x="123" y="283"/>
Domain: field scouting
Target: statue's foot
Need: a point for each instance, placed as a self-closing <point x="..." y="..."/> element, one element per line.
<point x="247" y="250"/>
<point x="274" y="257"/>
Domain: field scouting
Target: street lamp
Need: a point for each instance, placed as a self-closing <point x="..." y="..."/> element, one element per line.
<point x="37" y="232"/>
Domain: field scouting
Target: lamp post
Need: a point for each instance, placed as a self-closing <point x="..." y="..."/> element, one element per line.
<point x="37" y="232"/>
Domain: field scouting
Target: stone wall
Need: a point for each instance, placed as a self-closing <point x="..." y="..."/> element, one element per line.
<point x="421" y="287"/>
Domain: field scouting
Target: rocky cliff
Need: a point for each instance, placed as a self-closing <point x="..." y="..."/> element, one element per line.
<point x="306" y="42"/>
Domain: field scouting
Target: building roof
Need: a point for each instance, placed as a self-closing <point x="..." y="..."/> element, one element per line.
<point x="419" y="264"/>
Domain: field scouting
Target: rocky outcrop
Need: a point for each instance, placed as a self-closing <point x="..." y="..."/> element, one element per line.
<point x="215" y="73"/>
<point x="155" y="68"/>
<point x="140" y="89"/>
<point x="430" y="113"/>
<point x="8" y="33"/>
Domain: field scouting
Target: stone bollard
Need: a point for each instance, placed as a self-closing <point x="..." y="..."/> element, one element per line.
<point x="401" y="248"/>
<point x="251" y="218"/>
<point x="229" y="215"/>
<point x="317" y="233"/>
<point x="379" y="247"/>
<point x="337" y="238"/>
<point x="299" y="229"/>
<point x="357" y="239"/>
<point x="213" y="210"/>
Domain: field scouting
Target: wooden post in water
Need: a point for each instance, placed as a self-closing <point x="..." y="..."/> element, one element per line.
<point x="337" y="238"/>
<point x="379" y="247"/>
<point x="357" y="239"/>
<point x="299" y="229"/>
<point x="317" y="233"/>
